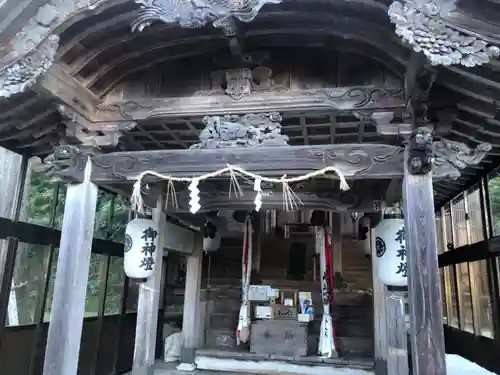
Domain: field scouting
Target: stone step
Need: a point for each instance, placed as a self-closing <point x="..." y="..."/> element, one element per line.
<point x="221" y="339"/>
<point x="355" y="346"/>
<point x="247" y="361"/>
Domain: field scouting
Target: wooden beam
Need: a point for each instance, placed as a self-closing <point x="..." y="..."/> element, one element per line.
<point x="340" y="99"/>
<point x="70" y="288"/>
<point x="414" y="69"/>
<point x="59" y="85"/>
<point x="77" y="105"/>
<point x="353" y="160"/>
<point x="424" y="283"/>
<point x="148" y="304"/>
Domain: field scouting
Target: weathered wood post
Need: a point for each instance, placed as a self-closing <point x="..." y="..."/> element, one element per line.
<point x="70" y="288"/>
<point x="424" y="286"/>
<point x="397" y="342"/>
<point x="148" y="304"/>
<point x="379" y="315"/>
<point x="191" y="312"/>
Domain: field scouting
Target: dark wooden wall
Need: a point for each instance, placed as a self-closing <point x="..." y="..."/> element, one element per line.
<point x="478" y="349"/>
<point x="105" y="350"/>
<point x="292" y="68"/>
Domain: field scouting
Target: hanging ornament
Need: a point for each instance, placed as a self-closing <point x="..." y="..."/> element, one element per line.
<point x="364" y="235"/>
<point x="244" y="322"/>
<point x="194" y="197"/>
<point x="390" y="246"/>
<point x="212" y="235"/>
<point x="258" y="197"/>
<point x="141" y="245"/>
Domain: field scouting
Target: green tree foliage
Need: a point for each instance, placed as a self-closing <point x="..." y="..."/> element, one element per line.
<point x="44" y="205"/>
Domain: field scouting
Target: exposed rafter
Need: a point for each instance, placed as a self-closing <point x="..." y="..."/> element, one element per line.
<point x="58" y="85"/>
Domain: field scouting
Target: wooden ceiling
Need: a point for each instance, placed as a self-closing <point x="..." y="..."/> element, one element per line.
<point x="98" y="49"/>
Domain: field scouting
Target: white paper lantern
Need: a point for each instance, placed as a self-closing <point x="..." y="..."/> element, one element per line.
<point x="212" y="235"/>
<point x="141" y="245"/>
<point x="390" y="247"/>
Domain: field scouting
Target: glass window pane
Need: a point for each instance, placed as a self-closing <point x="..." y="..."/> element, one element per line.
<point x="94" y="285"/>
<point x="443" y="294"/>
<point x="27" y="285"/>
<point x="120" y="219"/>
<point x="11" y="165"/>
<point x="50" y="289"/>
<point x="132" y="296"/>
<point x="448" y="226"/>
<point x="475" y="216"/>
<point x="39" y="197"/>
<point x="452" y="297"/>
<point x="103" y="215"/>
<point x="494" y="194"/>
<point x="114" y="290"/>
<point x="459" y="223"/>
<point x="498" y="270"/>
<point x="61" y="199"/>
<point x="440" y="235"/>
<point x="465" y="298"/>
<point x="481" y="293"/>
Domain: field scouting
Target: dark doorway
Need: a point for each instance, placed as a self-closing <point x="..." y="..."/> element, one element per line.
<point x="297" y="261"/>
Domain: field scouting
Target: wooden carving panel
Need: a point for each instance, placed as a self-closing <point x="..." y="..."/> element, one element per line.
<point x="353" y="160"/>
<point x="269" y="70"/>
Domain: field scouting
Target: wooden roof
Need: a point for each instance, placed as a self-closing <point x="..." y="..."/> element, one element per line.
<point x="97" y="52"/>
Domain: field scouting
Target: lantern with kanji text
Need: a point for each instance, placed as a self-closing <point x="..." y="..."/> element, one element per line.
<point x="141" y="246"/>
<point x="390" y="247"/>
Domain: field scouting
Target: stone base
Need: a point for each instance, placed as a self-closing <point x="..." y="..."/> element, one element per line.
<point x="186" y="367"/>
<point x="335" y="354"/>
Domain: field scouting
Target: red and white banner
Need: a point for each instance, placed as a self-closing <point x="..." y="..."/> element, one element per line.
<point x="243" y="329"/>
<point x="326" y="347"/>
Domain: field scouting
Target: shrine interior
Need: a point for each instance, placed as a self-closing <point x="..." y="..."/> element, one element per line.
<point x="100" y="109"/>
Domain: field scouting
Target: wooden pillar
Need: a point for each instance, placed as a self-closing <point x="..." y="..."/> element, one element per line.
<point x="336" y="228"/>
<point x="379" y="315"/>
<point x="424" y="285"/>
<point x="70" y="287"/>
<point x="191" y="312"/>
<point x="13" y="172"/>
<point x="148" y="304"/>
<point x="397" y="341"/>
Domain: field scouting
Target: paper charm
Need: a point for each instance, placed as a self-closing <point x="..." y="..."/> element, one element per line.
<point x="258" y="197"/>
<point x="194" y="201"/>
